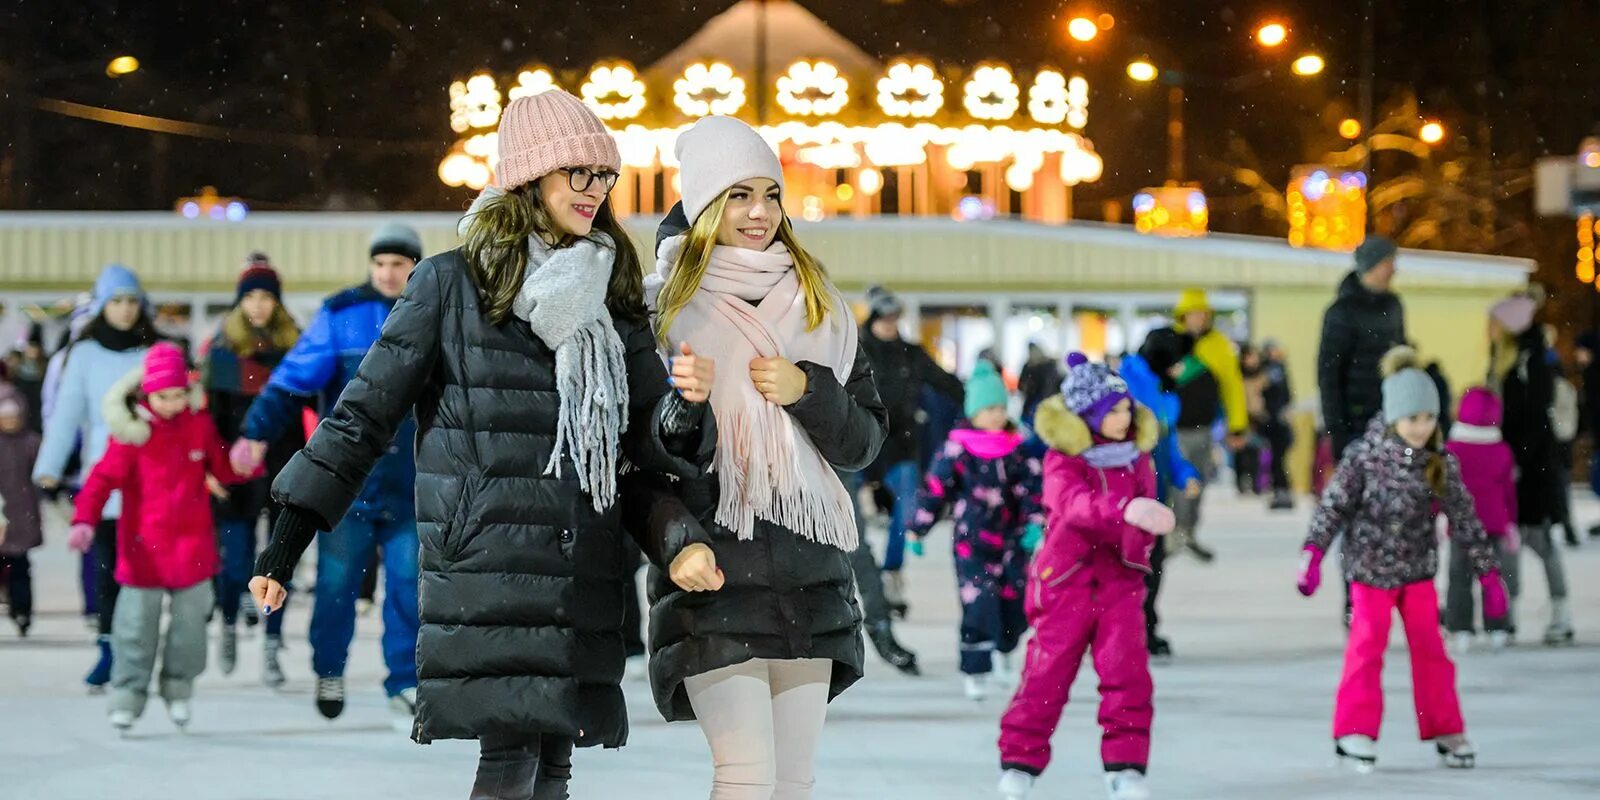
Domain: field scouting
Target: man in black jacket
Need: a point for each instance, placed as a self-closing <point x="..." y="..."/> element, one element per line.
<point x="1277" y="397"/>
<point x="1364" y="322"/>
<point x="901" y="369"/>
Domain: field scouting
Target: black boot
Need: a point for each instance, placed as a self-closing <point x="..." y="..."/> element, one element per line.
<point x="890" y="650"/>
<point x="1281" y="500"/>
<point x="1158" y="646"/>
<point x="1572" y="535"/>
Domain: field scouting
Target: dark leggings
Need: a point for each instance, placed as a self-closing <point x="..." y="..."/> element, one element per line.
<point x="105" y="572"/>
<point x="18" y="585"/>
<point x="1152" y="585"/>
<point x="531" y="767"/>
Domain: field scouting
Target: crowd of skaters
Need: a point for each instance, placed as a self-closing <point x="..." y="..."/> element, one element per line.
<point x="756" y="415"/>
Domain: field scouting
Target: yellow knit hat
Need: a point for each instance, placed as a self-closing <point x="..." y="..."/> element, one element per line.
<point x="1191" y="300"/>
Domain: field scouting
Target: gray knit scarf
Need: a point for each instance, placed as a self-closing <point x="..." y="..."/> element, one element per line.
<point x="563" y="299"/>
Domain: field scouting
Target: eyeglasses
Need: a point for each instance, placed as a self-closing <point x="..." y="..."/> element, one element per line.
<point x="581" y="178"/>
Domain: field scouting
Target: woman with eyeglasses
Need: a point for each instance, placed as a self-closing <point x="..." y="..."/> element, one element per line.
<point x="528" y="358"/>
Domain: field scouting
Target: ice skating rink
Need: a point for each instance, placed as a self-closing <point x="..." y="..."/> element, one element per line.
<point x="1242" y="713"/>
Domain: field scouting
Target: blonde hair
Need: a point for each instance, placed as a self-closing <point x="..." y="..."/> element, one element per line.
<point x="690" y="269"/>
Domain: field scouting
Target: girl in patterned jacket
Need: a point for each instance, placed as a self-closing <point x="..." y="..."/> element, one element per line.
<point x="1383" y="498"/>
<point x="993" y="485"/>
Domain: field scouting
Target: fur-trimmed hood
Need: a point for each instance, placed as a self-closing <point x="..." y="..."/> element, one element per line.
<point x="127" y="419"/>
<point x="1068" y="433"/>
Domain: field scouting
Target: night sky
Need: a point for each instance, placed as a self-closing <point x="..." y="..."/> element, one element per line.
<point x="1512" y="80"/>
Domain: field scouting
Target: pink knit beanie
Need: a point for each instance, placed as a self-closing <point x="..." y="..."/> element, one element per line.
<point x="1515" y="313"/>
<point x="542" y="133"/>
<point x="164" y="368"/>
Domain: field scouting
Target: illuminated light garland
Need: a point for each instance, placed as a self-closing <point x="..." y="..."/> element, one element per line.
<point x="1327" y="208"/>
<point x="536" y="80"/>
<point x="813" y="89"/>
<point x="991" y="93"/>
<point x="614" y="92"/>
<point x="474" y="103"/>
<point x="910" y="89"/>
<point x="708" y="88"/>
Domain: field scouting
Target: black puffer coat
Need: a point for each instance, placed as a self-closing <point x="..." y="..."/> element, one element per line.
<point x="522" y="582"/>
<point x="1357" y="330"/>
<point x="1528" y="392"/>
<point x="785" y="596"/>
<point x="902" y="370"/>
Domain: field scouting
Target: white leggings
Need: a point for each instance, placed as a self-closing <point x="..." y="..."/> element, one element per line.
<point x="762" y="719"/>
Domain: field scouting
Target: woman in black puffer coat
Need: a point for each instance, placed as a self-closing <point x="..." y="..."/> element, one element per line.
<point x="757" y="659"/>
<point x="528" y="360"/>
<point x="1520" y="371"/>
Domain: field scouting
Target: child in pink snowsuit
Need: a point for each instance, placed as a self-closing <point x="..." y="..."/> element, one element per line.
<point x="1383" y="499"/>
<point x="1489" y="469"/>
<point x="1085" y="588"/>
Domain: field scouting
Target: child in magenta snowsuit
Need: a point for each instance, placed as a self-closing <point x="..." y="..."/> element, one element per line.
<point x="1086" y="584"/>
<point x="1489" y="470"/>
<point x="993" y="484"/>
<point x="1383" y="499"/>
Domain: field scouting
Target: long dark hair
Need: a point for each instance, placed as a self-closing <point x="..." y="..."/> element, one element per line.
<point x="496" y="250"/>
<point x="144" y="329"/>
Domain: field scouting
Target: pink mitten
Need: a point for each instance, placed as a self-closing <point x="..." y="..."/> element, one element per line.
<point x="1495" y="604"/>
<point x="1310" y="569"/>
<point x="1149" y="515"/>
<point x="80" y="537"/>
<point x="1512" y="541"/>
<point x="242" y="457"/>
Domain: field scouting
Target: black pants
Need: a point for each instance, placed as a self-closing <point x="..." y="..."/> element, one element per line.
<point x="1279" y="437"/>
<point x="523" y="768"/>
<point x="869" y="576"/>
<point x="1247" y="467"/>
<point x="105" y="573"/>
<point x="1152" y="585"/>
<point x="19" y="584"/>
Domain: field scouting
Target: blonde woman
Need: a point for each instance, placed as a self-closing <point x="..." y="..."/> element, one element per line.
<point x="757" y="660"/>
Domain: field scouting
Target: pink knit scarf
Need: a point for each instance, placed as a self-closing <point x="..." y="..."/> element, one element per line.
<point x="750" y="306"/>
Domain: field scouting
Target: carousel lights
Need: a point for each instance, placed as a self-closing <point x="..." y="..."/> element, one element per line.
<point x="708" y="88"/>
<point x="813" y="89"/>
<point x="474" y="103"/>
<point x="910" y="90"/>
<point x="1078" y="102"/>
<point x="614" y="92"/>
<point x="530" y="82"/>
<point x="870" y="181"/>
<point x="1047" y="98"/>
<point x="991" y="93"/>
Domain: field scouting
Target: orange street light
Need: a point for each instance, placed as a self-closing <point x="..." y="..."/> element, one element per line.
<point x="1083" y="29"/>
<point x="1142" y="71"/>
<point x="1432" y="132"/>
<point x="1308" y="65"/>
<point x="1271" y="34"/>
<point x="122" y="65"/>
<point x="1350" y="128"/>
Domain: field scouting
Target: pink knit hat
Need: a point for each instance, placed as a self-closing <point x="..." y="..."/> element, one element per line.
<point x="1514" y="313"/>
<point x="164" y="368"/>
<point x="542" y="133"/>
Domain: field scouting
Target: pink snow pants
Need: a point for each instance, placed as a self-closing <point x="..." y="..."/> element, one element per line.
<point x="1083" y="611"/>
<point x="1359" y="707"/>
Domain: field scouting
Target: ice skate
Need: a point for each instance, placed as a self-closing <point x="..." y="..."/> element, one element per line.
<point x="1455" y="751"/>
<point x="1128" y="784"/>
<point x="403" y="708"/>
<point x="1460" y="643"/>
<point x="1005" y="670"/>
<point x="1015" y="784"/>
<point x="1159" y="648"/>
<point x="1499" y="640"/>
<point x="179" y="712"/>
<point x="894" y="591"/>
<point x="101" y="674"/>
<point x="271" y="670"/>
<point x="122" y="721"/>
<point x="889" y="649"/>
<point x="1357" y="752"/>
<point x="1559" y="631"/>
<point x="1281" y="501"/>
<point x="977" y="688"/>
<point x="228" y="655"/>
<point x="330" y="697"/>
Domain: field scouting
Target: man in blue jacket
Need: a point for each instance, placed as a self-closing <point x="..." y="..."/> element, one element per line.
<point x="384" y="516"/>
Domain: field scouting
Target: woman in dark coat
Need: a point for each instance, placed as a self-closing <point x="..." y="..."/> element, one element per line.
<point x="527" y="358"/>
<point x="253" y="338"/>
<point x="757" y="660"/>
<point x="1520" y="372"/>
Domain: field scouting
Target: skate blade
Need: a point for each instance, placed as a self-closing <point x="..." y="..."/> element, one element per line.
<point x="1459" y="762"/>
<point x="1360" y="766"/>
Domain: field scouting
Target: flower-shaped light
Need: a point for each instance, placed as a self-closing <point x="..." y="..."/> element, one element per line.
<point x="1077" y="102"/>
<point x="532" y="81"/>
<point x="1047" y="98"/>
<point x="708" y="88"/>
<point x="910" y="89"/>
<point x="991" y="93"/>
<point x="813" y="89"/>
<point x="474" y="103"/>
<point x="614" y="91"/>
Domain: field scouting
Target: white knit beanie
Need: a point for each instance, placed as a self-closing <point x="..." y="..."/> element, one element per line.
<point x="716" y="153"/>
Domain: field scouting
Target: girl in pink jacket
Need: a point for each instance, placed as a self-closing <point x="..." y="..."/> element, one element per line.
<point x="1488" y="468"/>
<point x="1085" y="586"/>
